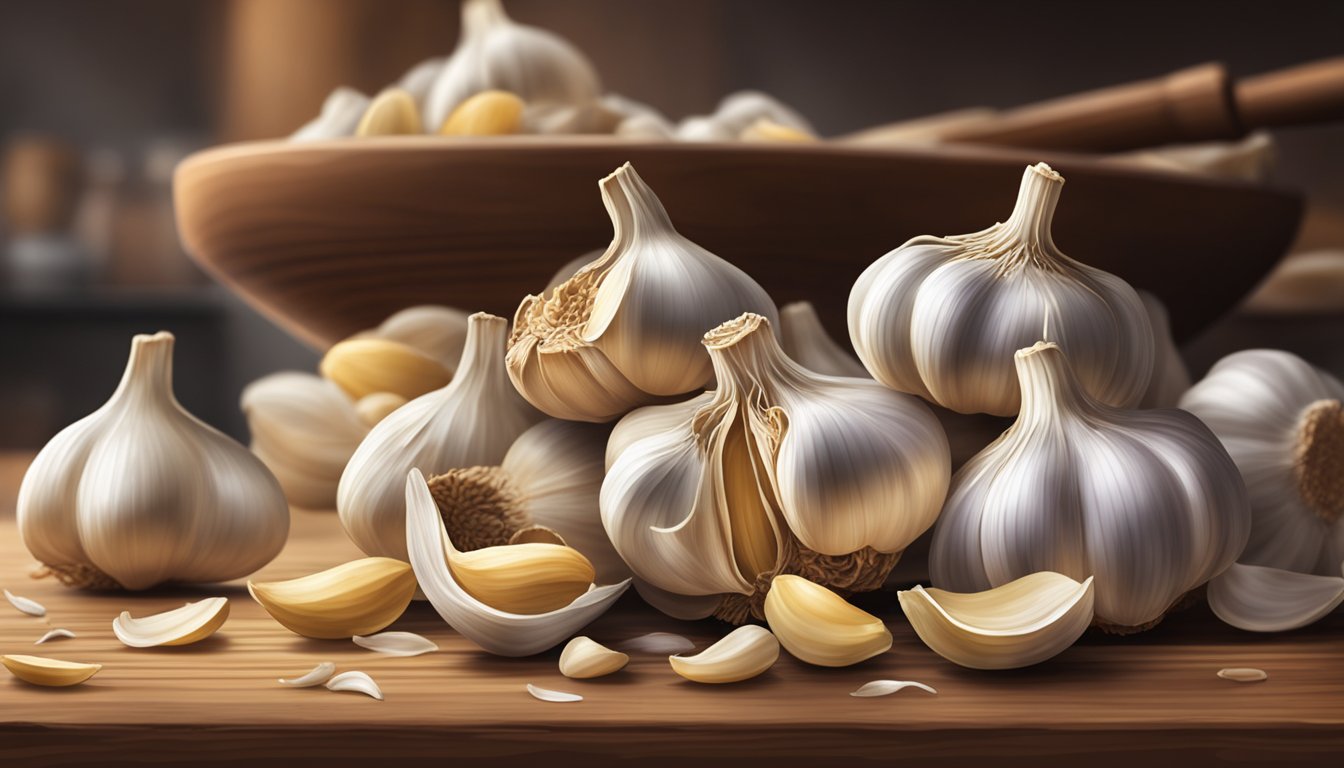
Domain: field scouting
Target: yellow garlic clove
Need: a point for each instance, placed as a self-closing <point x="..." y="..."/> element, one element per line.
<point x="375" y="407"/>
<point x="392" y="112"/>
<point x="492" y="113"/>
<point x="819" y="627"/>
<point x="584" y="658"/>
<point x="1021" y="623"/>
<point x="357" y="598"/>
<point x="742" y="654"/>
<point x="191" y="623"/>
<point x="522" y="578"/>
<point x="364" y="366"/>
<point x="40" y="670"/>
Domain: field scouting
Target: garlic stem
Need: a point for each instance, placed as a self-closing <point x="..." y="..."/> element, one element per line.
<point x="1049" y="388"/>
<point x="1034" y="212"/>
<point x="635" y="211"/>
<point x="1318" y="458"/>
<point x="149" y="370"/>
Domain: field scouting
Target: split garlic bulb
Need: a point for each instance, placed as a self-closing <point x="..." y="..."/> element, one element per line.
<point x="940" y="317"/>
<point x="1282" y="421"/>
<point x="140" y="492"/>
<point x="497" y="53"/>
<point x="777" y="471"/>
<point x="625" y="330"/>
<point x="1147" y="501"/>
<point x="471" y="421"/>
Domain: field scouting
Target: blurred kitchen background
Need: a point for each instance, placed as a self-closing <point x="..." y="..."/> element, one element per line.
<point x="100" y="98"/>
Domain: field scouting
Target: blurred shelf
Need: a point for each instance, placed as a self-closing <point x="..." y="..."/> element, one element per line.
<point x="104" y="301"/>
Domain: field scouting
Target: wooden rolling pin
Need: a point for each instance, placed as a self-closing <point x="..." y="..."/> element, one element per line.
<point x="1197" y="104"/>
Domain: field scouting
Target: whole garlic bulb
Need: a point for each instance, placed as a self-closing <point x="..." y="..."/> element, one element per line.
<point x="625" y="330"/>
<point x="1170" y="377"/>
<point x="471" y="421"/>
<point x="1147" y="501"/>
<point x="497" y="53"/>
<point x="778" y="470"/>
<point x="140" y="492"/>
<point x="940" y="317"/>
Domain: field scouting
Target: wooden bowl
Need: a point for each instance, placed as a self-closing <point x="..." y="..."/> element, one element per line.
<point x="329" y="238"/>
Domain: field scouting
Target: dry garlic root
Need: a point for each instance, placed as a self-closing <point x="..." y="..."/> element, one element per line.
<point x="357" y="598"/>
<point x="488" y="113"/>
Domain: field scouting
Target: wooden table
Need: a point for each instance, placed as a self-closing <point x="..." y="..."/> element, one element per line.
<point x="1146" y="700"/>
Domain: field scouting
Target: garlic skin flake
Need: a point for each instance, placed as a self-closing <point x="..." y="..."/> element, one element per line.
<point x="141" y="492"/>
<point x="625" y="330"/>
<point x="779" y="470"/>
<point x="546" y="694"/>
<point x="25" y="605"/>
<point x="189" y="624"/>
<point x="1146" y="500"/>
<point x="1021" y="623"/>
<point x="54" y="673"/>
<point x="1258" y="598"/>
<point x="471" y="421"/>
<point x="742" y="654"/>
<point x="313" y="677"/>
<point x="55" y="634"/>
<point x="888" y="687"/>
<point x="583" y="658"/>
<point x="819" y="627"/>
<point x="940" y="317"/>
<point x="396" y="643"/>
<point x="497" y="631"/>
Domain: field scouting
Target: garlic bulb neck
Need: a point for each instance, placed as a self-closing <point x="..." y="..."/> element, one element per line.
<point x="635" y="211"/>
<point x="1049" y="387"/>
<point x="481" y="506"/>
<point x="480" y="16"/>
<point x="1318" y="458"/>
<point x="1034" y="212"/>
<point x="149" y="370"/>
<point x="746" y="357"/>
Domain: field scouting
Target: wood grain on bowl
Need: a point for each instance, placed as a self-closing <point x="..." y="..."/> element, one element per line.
<point x="329" y="238"/>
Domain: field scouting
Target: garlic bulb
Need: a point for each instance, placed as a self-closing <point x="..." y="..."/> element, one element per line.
<point x="1170" y="378"/>
<point x="496" y="53"/>
<point x="940" y="317"/>
<point x="340" y="115"/>
<point x="471" y="421"/>
<point x="419" y="79"/>
<point x="806" y="342"/>
<point x="736" y="113"/>
<point x="1147" y="501"/>
<point x="1282" y="421"/>
<point x="625" y="330"/>
<point x="778" y="470"/>
<point x="140" y="492"/>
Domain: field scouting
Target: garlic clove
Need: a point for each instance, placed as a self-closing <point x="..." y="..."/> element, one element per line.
<point x="55" y="634"/>
<point x="40" y="670"/>
<point x="546" y="694"/>
<point x="768" y="131"/>
<point x="583" y="658"/>
<point x="819" y="627"/>
<point x="340" y="116"/>
<point x="396" y="643"/>
<point x="888" y="687"/>
<point x="522" y="578"/>
<point x="313" y="677"/>
<point x="437" y="331"/>
<point x="189" y="624"/>
<point x="1021" y="623"/>
<point x="806" y="342"/>
<point x="375" y="407"/>
<point x="1261" y="599"/>
<point x="355" y="682"/>
<point x="356" y="598"/>
<point x="364" y="366"/>
<point x="742" y="654"/>
<point x="392" y="112"/>
<point x="25" y="605"/>
<point x="497" y="631"/>
<point x="488" y="113"/>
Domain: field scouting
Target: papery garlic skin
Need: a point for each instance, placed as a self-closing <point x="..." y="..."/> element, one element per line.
<point x="471" y="421"/>
<point x="625" y="330"/>
<point x="779" y="470"/>
<point x="1147" y="501"/>
<point x="941" y="317"/>
<point x="140" y="492"/>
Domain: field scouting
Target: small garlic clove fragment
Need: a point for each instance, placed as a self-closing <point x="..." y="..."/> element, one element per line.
<point x="40" y="670"/>
<point x="742" y="654"/>
<point x="819" y="627"/>
<point x="661" y="643"/>
<point x="54" y="634"/>
<point x="367" y="365"/>
<point x="392" y="112"/>
<point x="1021" y="623"/>
<point x="584" y="658"/>
<point x="355" y="682"/>
<point x="374" y="407"/>
<point x="888" y="687"/>
<point x="489" y="113"/>
<point x="546" y="694"/>
<point x="1243" y="674"/>
<point x="313" y="677"/>
<point x="357" y="598"/>
<point x="191" y="623"/>
<point x="1258" y="598"/>
<point x="24" y="605"/>
<point x="396" y="643"/>
<point x="766" y="130"/>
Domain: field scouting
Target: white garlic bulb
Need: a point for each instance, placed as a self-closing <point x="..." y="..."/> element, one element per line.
<point x="1282" y="420"/>
<point x="737" y="112"/>
<point x="778" y="470"/>
<point x="1147" y="501"/>
<point x="1170" y="377"/>
<point x="140" y="492"/>
<point x="340" y="115"/>
<point x="471" y="421"/>
<point x="419" y="79"/>
<point x="940" y="317"/>
<point x="625" y="330"/>
<point x="806" y="342"/>
<point x="497" y="53"/>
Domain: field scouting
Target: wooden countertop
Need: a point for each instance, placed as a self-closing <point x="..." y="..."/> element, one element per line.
<point x="1152" y="697"/>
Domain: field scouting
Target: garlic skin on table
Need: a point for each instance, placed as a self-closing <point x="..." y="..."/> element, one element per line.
<point x="625" y="330"/>
<point x="140" y="492"/>
<point x="777" y="471"/>
<point x="941" y="317"/>
<point x="470" y="422"/>
<point x="1147" y="501"/>
<point x="1282" y="421"/>
<point x="497" y="53"/>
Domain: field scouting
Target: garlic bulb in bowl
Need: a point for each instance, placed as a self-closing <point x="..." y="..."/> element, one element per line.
<point x="941" y="317"/>
<point x="1147" y="501"/>
<point x="140" y="492"/>
<point x="777" y="471"/>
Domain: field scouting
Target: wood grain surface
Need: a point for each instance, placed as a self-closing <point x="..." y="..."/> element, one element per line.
<point x="1153" y="697"/>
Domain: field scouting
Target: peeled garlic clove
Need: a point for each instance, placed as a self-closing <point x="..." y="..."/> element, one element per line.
<point x="522" y="578"/>
<point x="364" y="366"/>
<point x="742" y="654"/>
<point x="340" y="116"/>
<point x="191" y="623"/>
<point x="1021" y="623"/>
<point x="355" y="682"/>
<point x="1170" y="378"/>
<point x="768" y="131"/>
<point x="391" y="113"/>
<point x="437" y="331"/>
<point x="396" y="643"/>
<point x="1261" y="599"/>
<point x="583" y="658"/>
<point x="25" y="605"/>
<point x="357" y="598"/>
<point x="806" y="342"/>
<point x="887" y="687"/>
<point x="39" y="670"/>
<point x="489" y="113"/>
<point x="819" y="627"/>
<point x="315" y="676"/>
<point x="375" y="407"/>
<point x="546" y="694"/>
<point x="54" y="634"/>
<point x="499" y="632"/>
